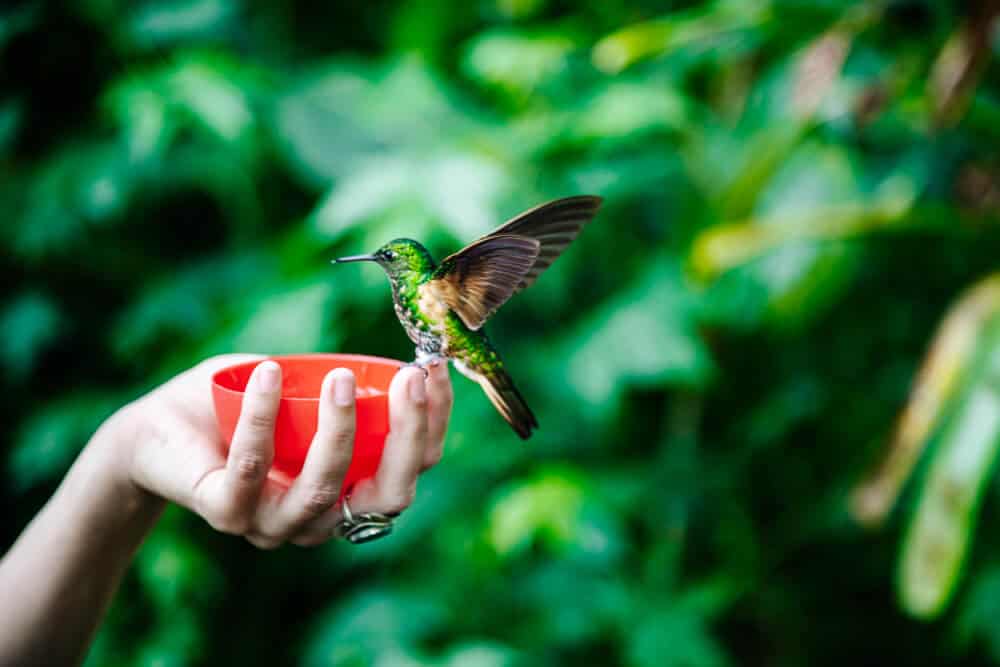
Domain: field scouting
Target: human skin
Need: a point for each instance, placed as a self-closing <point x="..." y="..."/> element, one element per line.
<point x="59" y="577"/>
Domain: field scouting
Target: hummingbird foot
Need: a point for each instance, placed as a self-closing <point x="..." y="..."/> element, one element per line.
<point x="428" y="358"/>
<point x="425" y="360"/>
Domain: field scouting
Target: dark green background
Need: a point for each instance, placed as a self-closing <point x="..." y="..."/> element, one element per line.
<point x="715" y="363"/>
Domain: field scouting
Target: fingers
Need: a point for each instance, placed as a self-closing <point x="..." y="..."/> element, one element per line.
<point x="392" y="489"/>
<point x="395" y="481"/>
<point x="317" y="488"/>
<point x="439" y="399"/>
<point x="228" y="497"/>
<point x="237" y="498"/>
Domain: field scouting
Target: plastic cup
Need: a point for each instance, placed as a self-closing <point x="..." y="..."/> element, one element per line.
<point x="301" y="379"/>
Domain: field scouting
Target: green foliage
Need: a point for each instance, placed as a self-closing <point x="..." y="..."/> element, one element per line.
<point x="796" y="193"/>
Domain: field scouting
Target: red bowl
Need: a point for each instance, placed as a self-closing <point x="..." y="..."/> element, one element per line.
<point x="301" y="379"/>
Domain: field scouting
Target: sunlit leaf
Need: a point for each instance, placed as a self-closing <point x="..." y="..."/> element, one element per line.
<point x="949" y="361"/>
<point x="518" y="63"/>
<point x="552" y="508"/>
<point x="625" y="110"/>
<point x="718" y="24"/>
<point x="941" y="529"/>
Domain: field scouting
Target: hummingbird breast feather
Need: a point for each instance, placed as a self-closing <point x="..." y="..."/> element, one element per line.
<point x="432" y="305"/>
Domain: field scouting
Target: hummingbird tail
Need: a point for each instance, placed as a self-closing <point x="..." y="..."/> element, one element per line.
<point x="508" y="401"/>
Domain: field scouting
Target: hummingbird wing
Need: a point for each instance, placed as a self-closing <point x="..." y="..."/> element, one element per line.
<point x="554" y="225"/>
<point x="480" y="277"/>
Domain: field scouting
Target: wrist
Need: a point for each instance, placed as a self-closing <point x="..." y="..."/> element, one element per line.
<point x="108" y="458"/>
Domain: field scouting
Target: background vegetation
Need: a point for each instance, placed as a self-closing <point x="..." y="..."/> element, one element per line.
<point x="796" y="195"/>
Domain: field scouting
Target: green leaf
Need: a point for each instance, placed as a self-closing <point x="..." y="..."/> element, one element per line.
<point x="161" y="23"/>
<point x="176" y="573"/>
<point x="516" y="62"/>
<point x="188" y="305"/>
<point x="625" y="110"/>
<point x="708" y="26"/>
<point x="480" y="654"/>
<point x="940" y="532"/>
<point x="28" y="325"/>
<point x="673" y="638"/>
<point x="370" y="625"/>
<point x="552" y="507"/>
<point x="646" y="335"/>
<point x="50" y="439"/>
<point x="290" y="320"/>
<point x="980" y="611"/>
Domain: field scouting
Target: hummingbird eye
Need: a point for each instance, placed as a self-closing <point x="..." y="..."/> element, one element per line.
<point x="389" y="255"/>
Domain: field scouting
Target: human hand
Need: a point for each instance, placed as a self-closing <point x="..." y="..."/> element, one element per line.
<point x="174" y="451"/>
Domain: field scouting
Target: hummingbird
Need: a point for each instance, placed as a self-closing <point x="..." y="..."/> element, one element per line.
<point x="443" y="306"/>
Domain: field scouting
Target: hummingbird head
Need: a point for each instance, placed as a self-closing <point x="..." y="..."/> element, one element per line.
<point x="400" y="258"/>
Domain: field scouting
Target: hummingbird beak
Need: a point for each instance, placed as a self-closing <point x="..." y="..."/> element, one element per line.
<point x="355" y="258"/>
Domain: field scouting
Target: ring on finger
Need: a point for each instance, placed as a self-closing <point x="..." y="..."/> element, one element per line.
<point x="362" y="527"/>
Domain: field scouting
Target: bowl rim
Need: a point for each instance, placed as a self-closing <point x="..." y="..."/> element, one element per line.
<point x="306" y="356"/>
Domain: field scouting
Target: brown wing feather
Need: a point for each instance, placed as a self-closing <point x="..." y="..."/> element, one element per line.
<point x="509" y="403"/>
<point x="478" y="279"/>
<point x="554" y="225"/>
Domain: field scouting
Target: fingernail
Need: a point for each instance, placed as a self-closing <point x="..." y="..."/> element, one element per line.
<point x="270" y="376"/>
<point x="343" y="389"/>
<point x="418" y="393"/>
<point x="435" y="363"/>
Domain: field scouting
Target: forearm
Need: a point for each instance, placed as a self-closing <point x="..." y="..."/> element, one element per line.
<point x="57" y="580"/>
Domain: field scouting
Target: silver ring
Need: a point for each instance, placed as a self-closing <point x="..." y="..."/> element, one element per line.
<point x="361" y="528"/>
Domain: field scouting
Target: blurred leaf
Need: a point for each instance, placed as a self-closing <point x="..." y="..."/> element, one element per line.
<point x="207" y="92"/>
<point x="940" y="531"/>
<point x="293" y="319"/>
<point x="176" y="573"/>
<point x="16" y="20"/>
<point x="726" y="246"/>
<point x="372" y="626"/>
<point x="517" y="63"/>
<point x="50" y="439"/>
<point x="946" y="367"/>
<point x="647" y="335"/>
<point x="628" y="109"/>
<point x="548" y="506"/>
<point x="480" y="655"/>
<point x="28" y="326"/>
<point x="345" y="113"/>
<point x="960" y="63"/>
<point x="75" y="191"/>
<point x="572" y="605"/>
<point x="188" y="305"/>
<point x="979" y="613"/>
<point x="719" y="24"/>
<point x="10" y="121"/>
<point x="672" y="637"/>
<point x="551" y="507"/>
<point x="458" y="190"/>
<point x="179" y="641"/>
<point x="158" y="23"/>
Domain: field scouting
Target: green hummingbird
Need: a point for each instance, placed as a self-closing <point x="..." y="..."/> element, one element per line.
<point x="443" y="306"/>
